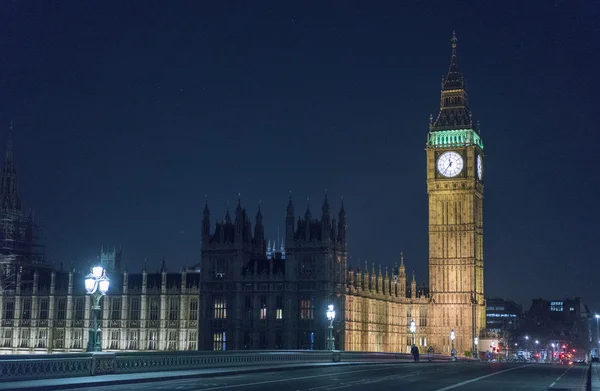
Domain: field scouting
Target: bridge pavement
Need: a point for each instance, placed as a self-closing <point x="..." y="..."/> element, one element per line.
<point x="373" y="377"/>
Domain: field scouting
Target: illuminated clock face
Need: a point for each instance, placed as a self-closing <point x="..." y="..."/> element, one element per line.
<point x="479" y="167"/>
<point x="450" y="164"/>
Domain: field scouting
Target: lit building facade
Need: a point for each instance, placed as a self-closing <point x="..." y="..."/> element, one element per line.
<point x="247" y="293"/>
<point x="455" y="189"/>
<point x="147" y="311"/>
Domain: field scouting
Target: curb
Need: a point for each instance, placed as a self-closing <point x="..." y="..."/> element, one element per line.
<point x="111" y="382"/>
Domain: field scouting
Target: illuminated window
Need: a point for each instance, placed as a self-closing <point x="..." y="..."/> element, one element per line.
<point x="306" y="309"/>
<point x="9" y="309"/>
<point x="79" y="308"/>
<point x="26" y="309"/>
<point x="132" y="338"/>
<point x="279" y="308"/>
<point x="263" y="308"/>
<point x="172" y="341"/>
<point x="194" y="309"/>
<point x="7" y="336"/>
<point x="192" y="340"/>
<point x="58" y="339"/>
<point x="61" y="309"/>
<point x="115" y="307"/>
<point x="134" y="308"/>
<point x="556" y="306"/>
<point x="76" y="339"/>
<point x="115" y="336"/>
<point x="152" y="339"/>
<point x="219" y="340"/>
<point x="42" y="337"/>
<point x="44" y="309"/>
<point x="154" y="308"/>
<point x="174" y="308"/>
<point x="220" y="308"/>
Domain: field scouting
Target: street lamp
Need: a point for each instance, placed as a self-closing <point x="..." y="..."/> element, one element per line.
<point x="330" y="318"/>
<point x="476" y="340"/>
<point x="413" y="328"/>
<point x="96" y="285"/>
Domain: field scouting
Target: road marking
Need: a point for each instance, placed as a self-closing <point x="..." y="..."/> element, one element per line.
<point x="552" y="385"/>
<point x="479" y="378"/>
<point x="293" y="378"/>
<point x="560" y="376"/>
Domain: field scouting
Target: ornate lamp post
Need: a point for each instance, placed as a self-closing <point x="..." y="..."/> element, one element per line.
<point x="476" y="340"/>
<point x="96" y="285"/>
<point x="330" y="318"/>
<point x="413" y="328"/>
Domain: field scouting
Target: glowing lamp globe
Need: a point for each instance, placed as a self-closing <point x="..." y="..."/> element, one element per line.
<point x="103" y="285"/>
<point x="413" y="327"/>
<point x="452" y="335"/>
<point x="97" y="271"/>
<point x="90" y="283"/>
<point x="330" y="312"/>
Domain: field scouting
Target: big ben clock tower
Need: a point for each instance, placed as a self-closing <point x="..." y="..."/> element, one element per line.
<point x="455" y="189"/>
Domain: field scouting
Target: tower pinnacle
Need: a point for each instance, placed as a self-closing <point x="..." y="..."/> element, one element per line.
<point x="454" y="105"/>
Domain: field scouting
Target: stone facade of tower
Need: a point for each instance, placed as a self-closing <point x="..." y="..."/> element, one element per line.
<point x="455" y="189"/>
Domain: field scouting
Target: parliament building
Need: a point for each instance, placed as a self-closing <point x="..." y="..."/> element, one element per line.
<point x="250" y="293"/>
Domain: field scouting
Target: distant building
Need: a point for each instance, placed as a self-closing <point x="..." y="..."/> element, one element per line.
<point x="559" y="321"/>
<point x="502" y="315"/>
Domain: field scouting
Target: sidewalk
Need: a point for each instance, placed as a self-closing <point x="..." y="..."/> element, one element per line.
<point x="595" y="368"/>
<point x="129" y="378"/>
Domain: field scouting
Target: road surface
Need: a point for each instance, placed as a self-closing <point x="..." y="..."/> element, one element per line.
<point x="379" y="377"/>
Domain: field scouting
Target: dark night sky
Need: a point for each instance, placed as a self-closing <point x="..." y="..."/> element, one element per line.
<point x="126" y="116"/>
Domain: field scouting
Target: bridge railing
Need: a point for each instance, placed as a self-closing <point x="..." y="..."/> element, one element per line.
<point x="24" y="367"/>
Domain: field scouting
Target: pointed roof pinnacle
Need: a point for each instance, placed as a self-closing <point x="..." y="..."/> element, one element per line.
<point x="239" y="205"/>
<point x="290" y="206"/>
<point x="342" y="210"/>
<point x="259" y="215"/>
<point x="206" y="210"/>
<point x="227" y="215"/>
<point x="454" y="79"/>
<point x="414" y="280"/>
